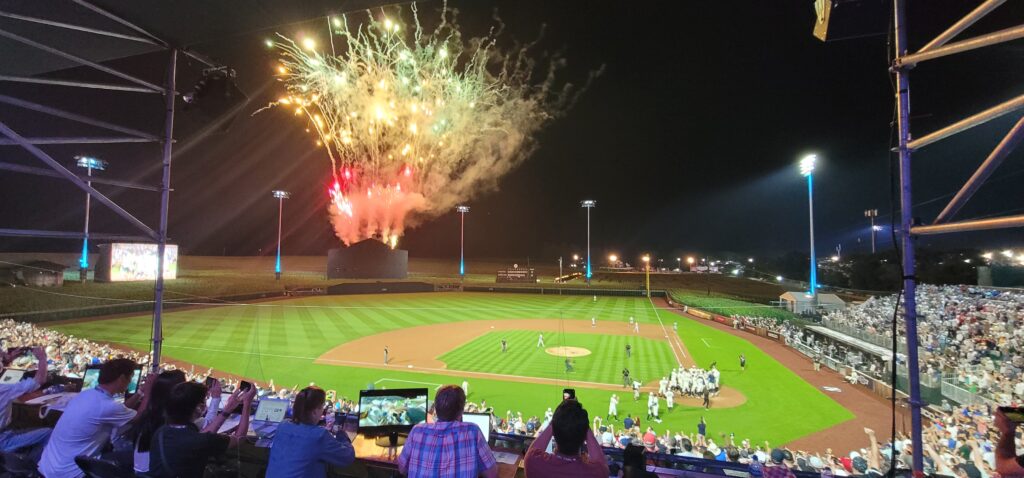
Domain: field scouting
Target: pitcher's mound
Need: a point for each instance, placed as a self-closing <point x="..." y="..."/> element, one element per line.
<point x="567" y="351"/>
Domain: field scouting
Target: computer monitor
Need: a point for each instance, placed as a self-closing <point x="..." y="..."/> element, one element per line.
<point x="271" y="410"/>
<point x="482" y="420"/>
<point x="391" y="411"/>
<point x="11" y="376"/>
<point x="91" y="379"/>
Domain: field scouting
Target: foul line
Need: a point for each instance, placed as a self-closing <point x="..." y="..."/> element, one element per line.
<point x="672" y="338"/>
<point x="706" y="344"/>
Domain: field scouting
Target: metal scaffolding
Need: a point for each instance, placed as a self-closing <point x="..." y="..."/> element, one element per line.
<point x="903" y="62"/>
<point x="127" y="135"/>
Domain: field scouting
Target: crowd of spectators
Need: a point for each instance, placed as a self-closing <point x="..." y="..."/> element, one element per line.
<point x="971" y="336"/>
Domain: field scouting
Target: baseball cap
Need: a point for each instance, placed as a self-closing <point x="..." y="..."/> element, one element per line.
<point x="778" y="455"/>
<point x="847" y="463"/>
<point x="815" y="462"/>
<point x="860" y="464"/>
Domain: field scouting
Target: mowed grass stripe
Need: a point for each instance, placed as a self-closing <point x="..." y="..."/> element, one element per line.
<point x="771" y="390"/>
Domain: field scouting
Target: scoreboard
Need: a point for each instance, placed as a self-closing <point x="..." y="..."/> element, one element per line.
<point x="516" y="274"/>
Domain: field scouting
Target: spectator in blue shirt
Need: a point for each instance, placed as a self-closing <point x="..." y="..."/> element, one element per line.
<point x="628" y="422"/>
<point x="304" y="449"/>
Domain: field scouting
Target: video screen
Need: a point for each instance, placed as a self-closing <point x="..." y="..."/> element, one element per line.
<point x="271" y="410"/>
<point x="132" y="262"/>
<point x="11" y="376"/>
<point x="392" y="409"/>
<point x="91" y="378"/>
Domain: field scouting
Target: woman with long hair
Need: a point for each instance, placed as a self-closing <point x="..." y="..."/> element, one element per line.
<point x="302" y="448"/>
<point x="152" y="417"/>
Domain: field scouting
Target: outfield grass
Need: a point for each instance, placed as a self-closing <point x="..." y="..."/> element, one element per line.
<point x="280" y="340"/>
<point x="726" y="306"/>
<point x="651" y="359"/>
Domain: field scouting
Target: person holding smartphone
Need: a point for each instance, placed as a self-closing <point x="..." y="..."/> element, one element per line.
<point x="570" y="427"/>
<point x="32" y="440"/>
<point x="302" y="448"/>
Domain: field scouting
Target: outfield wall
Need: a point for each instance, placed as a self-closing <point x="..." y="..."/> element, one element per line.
<point x="567" y="291"/>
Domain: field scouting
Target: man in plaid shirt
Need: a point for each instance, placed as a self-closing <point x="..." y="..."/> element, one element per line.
<point x="448" y="448"/>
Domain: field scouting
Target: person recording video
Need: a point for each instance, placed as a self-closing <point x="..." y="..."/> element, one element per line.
<point x="304" y="449"/>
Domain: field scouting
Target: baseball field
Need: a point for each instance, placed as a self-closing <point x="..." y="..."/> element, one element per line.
<point x="338" y="342"/>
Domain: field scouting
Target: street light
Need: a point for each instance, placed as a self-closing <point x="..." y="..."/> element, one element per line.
<point x="689" y="260"/>
<point x="807" y="169"/>
<point x="647" y="268"/>
<point x="680" y="261"/>
<point x="588" y="204"/>
<point x="281" y="196"/>
<point x="89" y="163"/>
<point x="613" y="259"/>
<point x="462" y="240"/>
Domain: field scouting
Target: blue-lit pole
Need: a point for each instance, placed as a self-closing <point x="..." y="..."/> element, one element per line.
<point x="588" y="205"/>
<point x="89" y="163"/>
<point x="281" y="196"/>
<point x="462" y="240"/>
<point x="807" y="169"/>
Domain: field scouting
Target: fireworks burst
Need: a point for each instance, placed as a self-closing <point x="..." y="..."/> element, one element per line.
<point x="415" y="121"/>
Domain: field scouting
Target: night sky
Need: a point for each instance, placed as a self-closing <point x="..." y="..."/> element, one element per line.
<point x="689" y="141"/>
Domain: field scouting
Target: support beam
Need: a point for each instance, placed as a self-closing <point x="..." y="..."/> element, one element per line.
<point x="995" y="38"/>
<point x="1001" y="151"/>
<point x="49" y="110"/>
<point x="966" y="226"/>
<point x="76" y="84"/>
<point x="68" y="26"/>
<point x="165" y="201"/>
<point x="963" y="24"/>
<point x="77" y="59"/>
<point x="18" y="168"/>
<point x="191" y="54"/>
<point x="71" y="235"/>
<point x="969" y="122"/>
<point x="6" y="131"/>
<point x="80" y="140"/>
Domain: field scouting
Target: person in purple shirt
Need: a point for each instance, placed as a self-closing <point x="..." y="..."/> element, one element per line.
<point x="304" y="449"/>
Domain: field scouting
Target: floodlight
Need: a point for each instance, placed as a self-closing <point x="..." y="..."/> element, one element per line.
<point x="778" y="278"/>
<point x="575" y="257"/>
<point x="588" y="203"/>
<point x="750" y="260"/>
<point x="282" y="194"/>
<point x="462" y="209"/>
<point x="647" y="258"/>
<point x="613" y="258"/>
<point x="807" y="164"/>
<point x="987" y="255"/>
<point x="1008" y="253"/>
<point x="90" y="162"/>
<point x="689" y="260"/>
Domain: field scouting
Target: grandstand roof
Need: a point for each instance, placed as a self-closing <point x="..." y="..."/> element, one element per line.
<point x="801" y="296"/>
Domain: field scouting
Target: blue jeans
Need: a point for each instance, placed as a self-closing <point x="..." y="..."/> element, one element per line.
<point x="31" y="441"/>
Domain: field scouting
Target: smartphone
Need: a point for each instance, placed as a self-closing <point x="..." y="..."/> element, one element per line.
<point x="1015" y="414"/>
<point x="244" y="386"/>
<point x="569" y="394"/>
<point x="210" y="381"/>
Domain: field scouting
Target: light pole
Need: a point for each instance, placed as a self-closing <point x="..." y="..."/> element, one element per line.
<point x="588" y="204"/>
<point x="807" y="169"/>
<point x="281" y="196"/>
<point x="462" y="242"/>
<point x="89" y="163"/>
<point x="647" y="269"/>
<point x="680" y="261"/>
<point x="872" y="214"/>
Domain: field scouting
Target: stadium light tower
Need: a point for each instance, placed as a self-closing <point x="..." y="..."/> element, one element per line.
<point x="281" y="196"/>
<point x="588" y="204"/>
<point x="89" y="163"/>
<point x="462" y="240"/>
<point x="647" y="269"/>
<point x="807" y="169"/>
<point x="872" y="214"/>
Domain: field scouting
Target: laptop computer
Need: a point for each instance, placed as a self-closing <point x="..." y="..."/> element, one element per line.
<point x="481" y="420"/>
<point x="269" y="414"/>
<point x="11" y="376"/>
